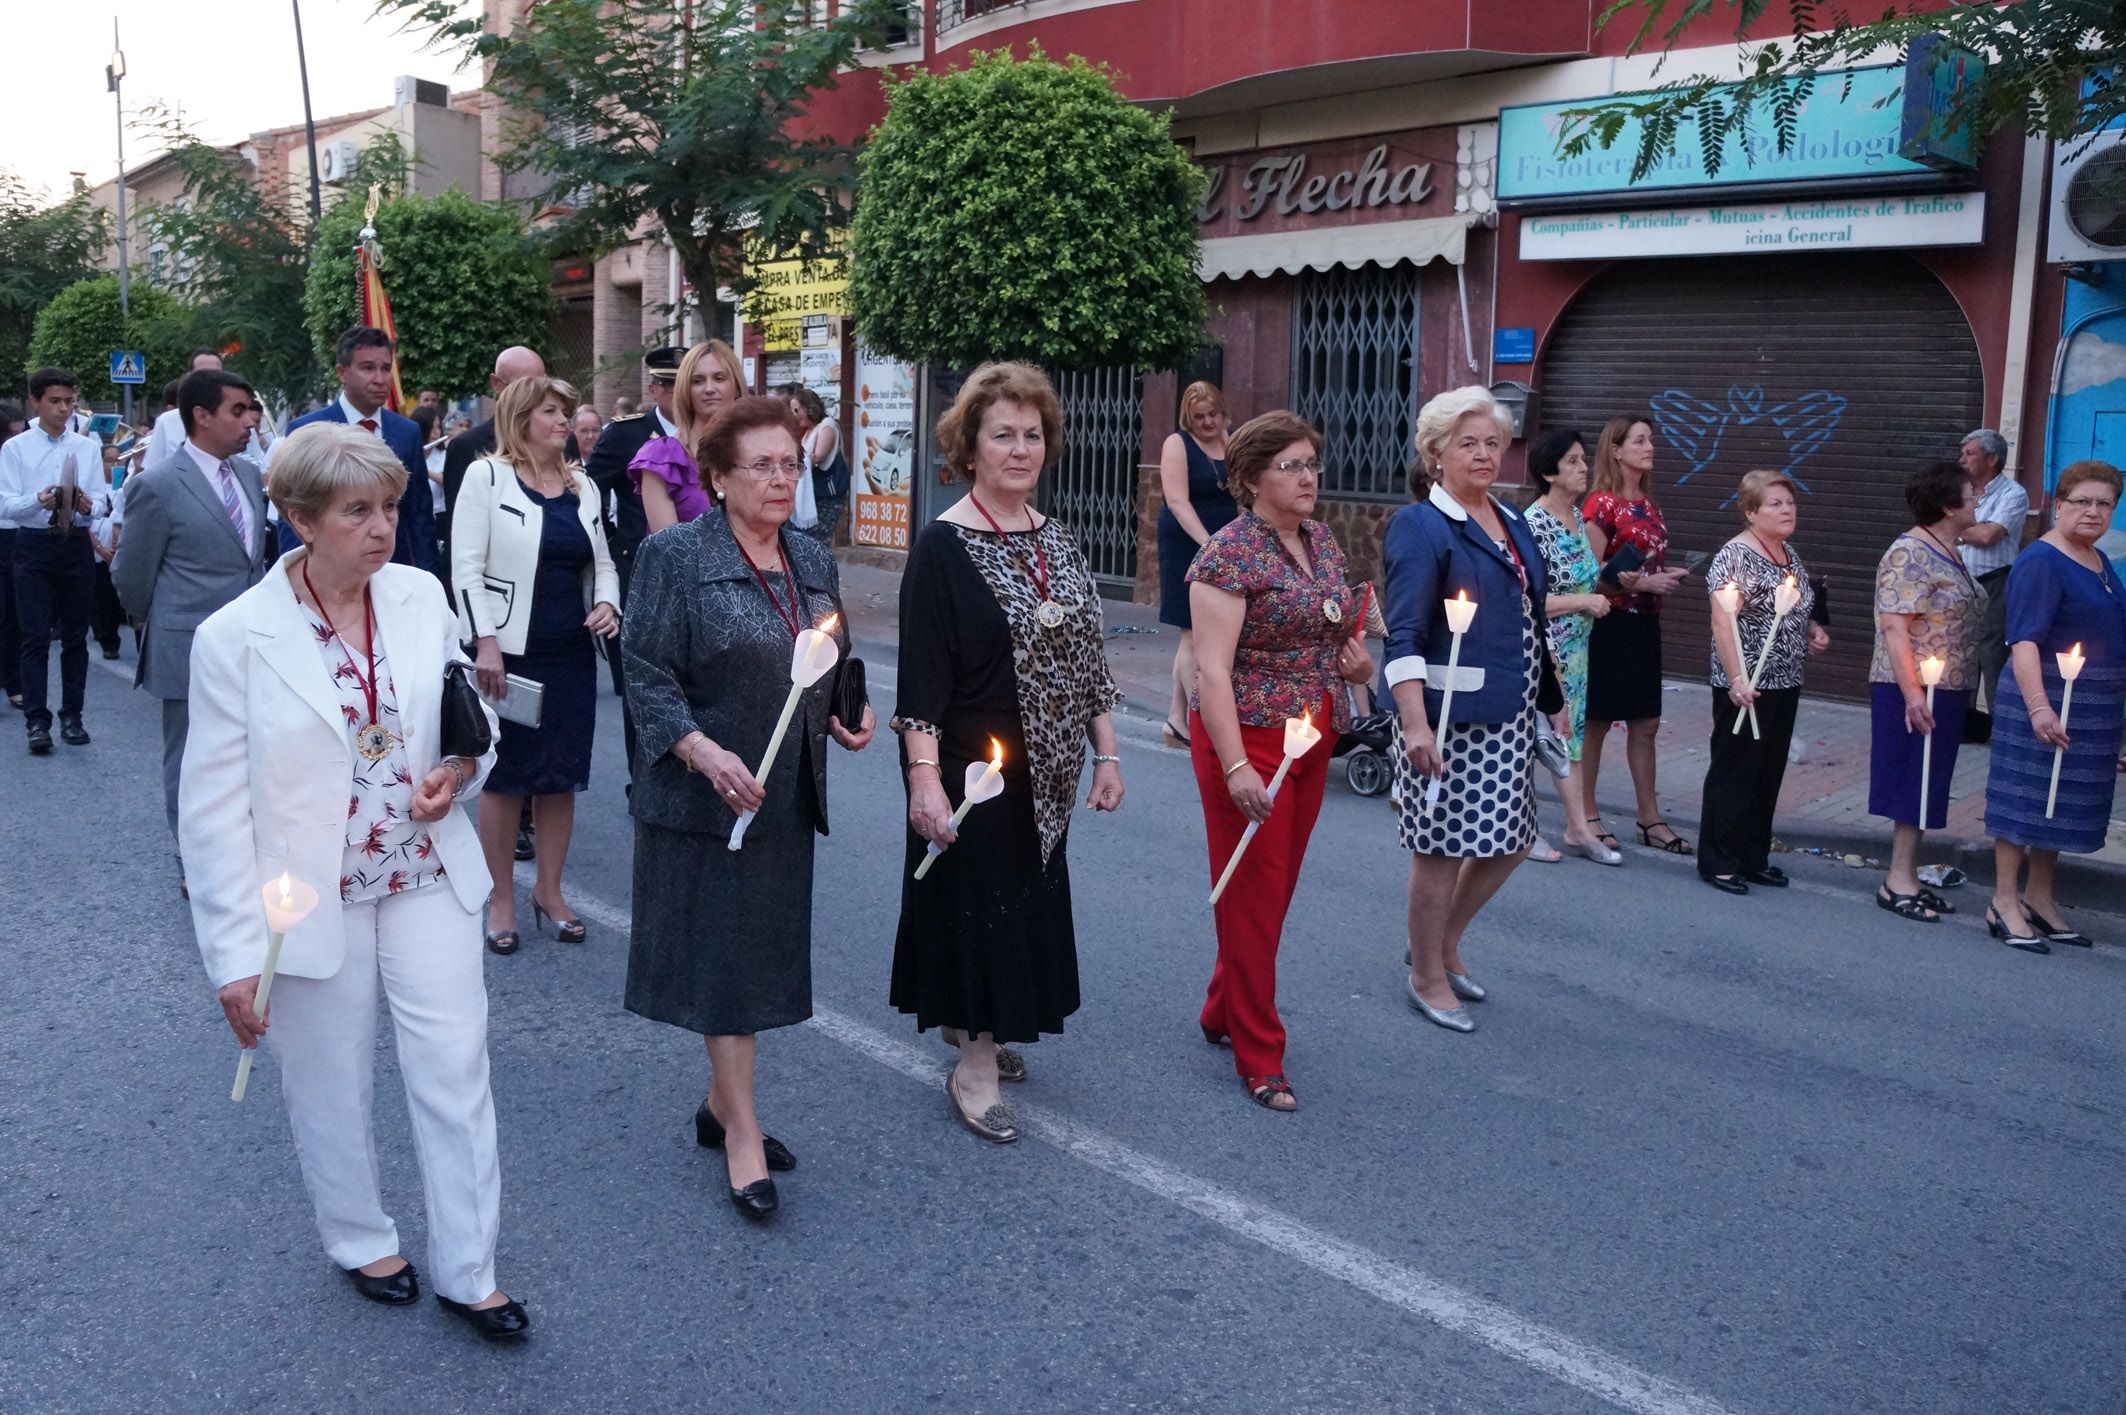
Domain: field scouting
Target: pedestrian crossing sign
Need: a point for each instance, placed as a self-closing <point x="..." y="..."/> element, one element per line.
<point x="128" y="366"/>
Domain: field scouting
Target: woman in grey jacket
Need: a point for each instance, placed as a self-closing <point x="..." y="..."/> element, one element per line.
<point x="722" y="940"/>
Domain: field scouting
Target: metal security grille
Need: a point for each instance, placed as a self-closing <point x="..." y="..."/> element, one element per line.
<point x="575" y="349"/>
<point x="1354" y="374"/>
<point x="1093" y="489"/>
<point x="953" y="13"/>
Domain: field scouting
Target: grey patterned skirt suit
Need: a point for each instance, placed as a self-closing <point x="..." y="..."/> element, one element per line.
<point x="722" y="939"/>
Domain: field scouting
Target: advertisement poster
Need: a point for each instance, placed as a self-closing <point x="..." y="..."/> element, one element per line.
<point x="882" y="449"/>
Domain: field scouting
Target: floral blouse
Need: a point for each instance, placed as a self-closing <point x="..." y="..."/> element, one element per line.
<point x="1633" y="523"/>
<point x="387" y="851"/>
<point x="1946" y="605"/>
<point x="1571" y="568"/>
<point x="1285" y="662"/>
<point x="1741" y="564"/>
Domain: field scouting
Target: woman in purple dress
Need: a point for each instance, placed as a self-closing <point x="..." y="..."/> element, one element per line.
<point x="663" y="472"/>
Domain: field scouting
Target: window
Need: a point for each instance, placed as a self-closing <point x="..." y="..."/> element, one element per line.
<point x="1354" y="375"/>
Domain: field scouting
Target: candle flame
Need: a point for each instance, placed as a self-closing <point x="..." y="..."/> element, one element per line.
<point x="1790" y="582"/>
<point x="1461" y="596"/>
<point x="826" y="625"/>
<point x="2076" y="651"/>
<point x="1306" y="716"/>
<point x="287" y="888"/>
<point x="996" y="753"/>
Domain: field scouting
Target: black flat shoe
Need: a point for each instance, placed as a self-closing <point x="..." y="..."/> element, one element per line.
<point x="504" y="942"/>
<point x="2055" y="932"/>
<point x="2027" y="943"/>
<point x="1216" y="1039"/>
<point x="1726" y="884"/>
<point x="508" y="1322"/>
<point x="1771" y="877"/>
<point x="393" y="1289"/>
<point x="757" y="1200"/>
<point x="708" y="1133"/>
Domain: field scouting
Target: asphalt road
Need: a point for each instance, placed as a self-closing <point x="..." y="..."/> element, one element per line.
<point x="1778" y="1154"/>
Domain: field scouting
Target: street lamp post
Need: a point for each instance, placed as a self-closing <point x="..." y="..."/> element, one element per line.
<point x="114" y="77"/>
<point x="302" y="65"/>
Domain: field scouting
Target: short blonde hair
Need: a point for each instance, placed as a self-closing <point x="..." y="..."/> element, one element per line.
<point x="1205" y="392"/>
<point x="990" y="384"/>
<point x="1438" y="419"/>
<point x="1758" y="484"/>
<point x="514" y="409"/>
<point x="683" y="385"/>
<point x="317" y="464"/>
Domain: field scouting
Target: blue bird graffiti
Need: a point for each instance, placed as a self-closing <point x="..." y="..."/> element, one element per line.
<point x="1696" y="427"/>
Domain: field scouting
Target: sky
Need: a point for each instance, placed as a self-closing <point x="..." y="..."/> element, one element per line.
<point x="228" y="64"/>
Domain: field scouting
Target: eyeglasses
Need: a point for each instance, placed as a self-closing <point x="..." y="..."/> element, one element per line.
<point x="1292" y="467"/>
<point x="764" y="470"/>
<point x="2089" y="503"/>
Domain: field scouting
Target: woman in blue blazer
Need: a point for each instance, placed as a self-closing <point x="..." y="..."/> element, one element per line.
<point x="1467" y="801"/>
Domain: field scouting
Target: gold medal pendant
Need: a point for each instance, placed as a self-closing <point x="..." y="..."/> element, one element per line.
<point x="1333" y="611"/>
<point x="1050" y="614"/>
<point x="373" y="741"/>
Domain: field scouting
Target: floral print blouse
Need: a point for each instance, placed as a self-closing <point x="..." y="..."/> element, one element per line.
<point x="1946" y="605"/>
<point x="1634" y="523"/>
<point x="387" y="851"/>
<point x="1285" y="662"/>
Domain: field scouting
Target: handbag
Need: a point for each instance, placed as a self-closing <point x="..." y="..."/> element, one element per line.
<point x="1551" y="749"/>
<point x="851" y="696"/>
<point x="465" y="730"/>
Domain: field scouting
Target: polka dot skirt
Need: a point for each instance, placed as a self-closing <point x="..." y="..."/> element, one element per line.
<point x="1486" y="807"/>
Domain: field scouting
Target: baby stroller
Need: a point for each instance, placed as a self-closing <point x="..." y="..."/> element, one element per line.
<point x="1364" y="746"/>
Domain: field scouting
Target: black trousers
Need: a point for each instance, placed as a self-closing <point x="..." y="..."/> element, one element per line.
<point x="1742" y="783"/>
<point x="106" y="614"/>
<point x="54" y="582"/>
<point x="10" y="626"/>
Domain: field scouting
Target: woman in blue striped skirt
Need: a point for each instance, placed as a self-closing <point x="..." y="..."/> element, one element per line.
<point x="2061" y="593"/>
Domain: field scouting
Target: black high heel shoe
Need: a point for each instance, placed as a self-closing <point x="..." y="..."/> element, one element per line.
<point x="2029" y="944"/>
<point x="708" y="1133"/>
<point x="567" y="930"/>
<point x="504" y="942"/>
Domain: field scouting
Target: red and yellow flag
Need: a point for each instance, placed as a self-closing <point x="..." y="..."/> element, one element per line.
<point x="375" y="305"/>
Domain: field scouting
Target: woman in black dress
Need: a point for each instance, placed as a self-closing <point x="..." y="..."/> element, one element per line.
<point x="1197" y="505"/>
<point x="722" y="939"/>
<point x="534" y="583"/>
<point x="1000" y="643"/>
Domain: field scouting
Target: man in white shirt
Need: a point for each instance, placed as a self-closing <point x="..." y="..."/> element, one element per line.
<point x="169" y="433"/>
<point x="42" y="470"/>
<point x="1989" y="548"/>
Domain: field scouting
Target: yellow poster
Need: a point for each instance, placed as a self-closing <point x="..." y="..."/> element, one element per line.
<point x="783" y="292"/>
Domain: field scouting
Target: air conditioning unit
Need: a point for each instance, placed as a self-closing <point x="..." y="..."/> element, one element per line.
<point x="2089" y="198"/>
<point x="335" y="160"/>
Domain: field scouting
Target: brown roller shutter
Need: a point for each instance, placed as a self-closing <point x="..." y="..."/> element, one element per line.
<point x="1846" y="371"/>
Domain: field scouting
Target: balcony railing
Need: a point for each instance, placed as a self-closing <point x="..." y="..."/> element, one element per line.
<point x="953" y="13"/>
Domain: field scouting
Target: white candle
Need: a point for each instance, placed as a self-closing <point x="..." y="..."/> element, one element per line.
<point x="810" y="657"/>
<point x="1300" y="735"/>
<point x="2070" y="669"/>
<point x="288" y="902"/>
<point x="1930" y="669"/>
<point x="1461" y="612"/>
<point x="985" y="782"/>
<point x="1729" y="598"/>
<point x="1783" y="601"/>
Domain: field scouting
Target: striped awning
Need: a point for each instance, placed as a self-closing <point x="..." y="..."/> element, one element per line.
<point x="1380" y="242"/>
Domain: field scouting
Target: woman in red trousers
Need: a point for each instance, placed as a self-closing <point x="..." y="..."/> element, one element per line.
<point x="1277" y="635"/>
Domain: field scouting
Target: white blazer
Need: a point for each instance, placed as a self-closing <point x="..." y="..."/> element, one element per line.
<point x="269" y="758"/>
<point x="494" y="552"/>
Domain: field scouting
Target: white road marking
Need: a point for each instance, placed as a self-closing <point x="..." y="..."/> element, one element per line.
<point x="1545" y="1349"/>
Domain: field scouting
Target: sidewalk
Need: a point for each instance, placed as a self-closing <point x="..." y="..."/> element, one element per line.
<point x="1822" y="806"/>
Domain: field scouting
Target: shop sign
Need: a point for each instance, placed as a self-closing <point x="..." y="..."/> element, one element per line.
<point x="1936" y="73"/>
<point x="1514" y="344"/>
<point x="882" y="449"/>
<point x="1829" y="224"/>
<point x="783" y="292"/>
<point x="1280" y="183"/>
<point x="1851" y="125"/>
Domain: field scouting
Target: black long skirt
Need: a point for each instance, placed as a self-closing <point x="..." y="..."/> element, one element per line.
<point x="1624" y="667"/>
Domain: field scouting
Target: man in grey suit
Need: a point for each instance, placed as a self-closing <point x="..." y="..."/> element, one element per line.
<point x="195" y="538"/>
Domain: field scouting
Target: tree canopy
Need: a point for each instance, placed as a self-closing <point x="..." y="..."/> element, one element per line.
<point x="44" y="247"/>
<point x="1025" y="209"/>
<point x="689" y="114"/>
<point x="80" y="326"/>
<point x="2049" y="69"/>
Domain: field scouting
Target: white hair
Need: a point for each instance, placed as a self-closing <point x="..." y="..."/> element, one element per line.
<point x="1443" y="413"/>
<point x="317" y="464"/>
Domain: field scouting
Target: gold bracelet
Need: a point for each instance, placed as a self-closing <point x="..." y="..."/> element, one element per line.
<point x="1235" y="767"/>
<point x="926" y="761"/>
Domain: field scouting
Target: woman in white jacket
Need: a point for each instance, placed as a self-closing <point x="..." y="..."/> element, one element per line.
<point x="534" y="583"/>
<point x="315" y="750"/>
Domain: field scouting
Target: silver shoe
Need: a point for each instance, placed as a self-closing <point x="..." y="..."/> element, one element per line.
<point x="1596" y="851"/>
<point x="999" y="1124"/>
<point x="1466" y="988"/>
<point x="1458" y="1020"/>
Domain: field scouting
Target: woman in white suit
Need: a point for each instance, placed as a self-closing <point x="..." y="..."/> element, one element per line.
<point x="316" y="707"/>
<point x="534" y="584"/>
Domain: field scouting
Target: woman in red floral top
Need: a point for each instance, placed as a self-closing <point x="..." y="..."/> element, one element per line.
<point x="1277" y="636"/>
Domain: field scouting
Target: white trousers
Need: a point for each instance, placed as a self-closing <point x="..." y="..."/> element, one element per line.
<point x="425" y="949"/>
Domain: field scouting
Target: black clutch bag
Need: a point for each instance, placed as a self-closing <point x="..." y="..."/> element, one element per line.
<point x="465" y="731"/>
<point x="851" y="696"/>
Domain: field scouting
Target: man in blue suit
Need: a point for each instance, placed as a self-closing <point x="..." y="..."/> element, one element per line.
<point x="363" y="360"/>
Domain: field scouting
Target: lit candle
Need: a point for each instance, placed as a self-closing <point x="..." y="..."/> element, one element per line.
<point x="985" y="782"/>
<point x="810" y="657"/>
<point x="1461" y="612"/>
<point x="1300" y="735"/>
<point x="1783" y="601"/>
<point x="1729" y="598"/>
<point x="1930" y="674"/>
<point x="2070" y="669"/>
<point x="288" y="902"/>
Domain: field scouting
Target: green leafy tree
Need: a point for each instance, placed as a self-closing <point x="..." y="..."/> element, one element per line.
<point x="686" y="113"/>
<point x="2049" y="70"/>
<point x="44" y="247"/>
<point x="81" y="325"/>
<point x="1024" y="209"/>
<point x="465" y="280"/>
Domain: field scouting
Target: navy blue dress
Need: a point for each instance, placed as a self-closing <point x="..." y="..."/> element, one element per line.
<point x="555" y="756"/>
<point x="1214" y="506"/>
